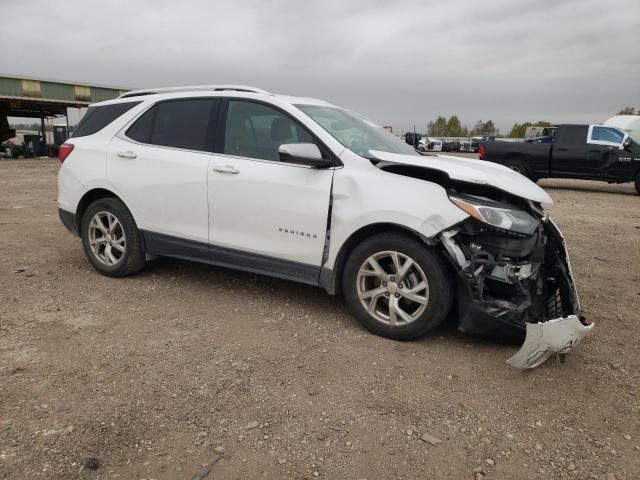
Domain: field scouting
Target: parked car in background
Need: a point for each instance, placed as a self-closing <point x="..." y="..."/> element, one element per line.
<point x="19" y="144"/>
<point x="451" y="146"/>
<point x="429" y="145"/>
<point x="590" y="152"/>
<point x="434" y="145"/>
<point x="471" y="146"/>
<point x="547" y="139"/>
<point x="544" y="134"/>
<point x="167" y="171"/>
<point x="413" y="139"/>
<point x="535" y="131"/>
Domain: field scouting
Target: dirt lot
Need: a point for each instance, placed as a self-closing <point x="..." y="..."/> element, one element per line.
<point x="152" y="374"/>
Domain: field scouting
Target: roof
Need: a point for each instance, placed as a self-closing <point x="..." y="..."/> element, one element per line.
<point x="213" y="90"/>
<point x="28" y="96"/>
<point x="193" y="88"/>
<point x="70" y="82"/>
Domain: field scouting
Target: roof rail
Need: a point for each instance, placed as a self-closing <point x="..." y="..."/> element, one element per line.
<point x="193" y="88"/>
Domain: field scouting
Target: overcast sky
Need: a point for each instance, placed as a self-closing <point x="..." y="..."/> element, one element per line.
<point x="398" y="63"/>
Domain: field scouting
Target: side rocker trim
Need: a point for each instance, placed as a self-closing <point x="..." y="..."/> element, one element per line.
<point x="166" y="245"/>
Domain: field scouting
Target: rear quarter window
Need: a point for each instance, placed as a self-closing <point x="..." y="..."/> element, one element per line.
<point x="141" y="129"/>
<point x="97" y="118"/>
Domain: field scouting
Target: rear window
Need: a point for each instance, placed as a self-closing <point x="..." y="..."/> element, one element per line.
<point x="97" y="118"/>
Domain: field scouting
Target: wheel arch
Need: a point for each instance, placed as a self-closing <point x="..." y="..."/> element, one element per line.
<point x="515" y="157"/>
<point x="519" y="159"/>
<point x="331" y="278"/>
<point x="87" y="199"/>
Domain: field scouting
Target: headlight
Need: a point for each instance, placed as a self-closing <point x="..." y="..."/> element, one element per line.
<point x="497" y="214"/>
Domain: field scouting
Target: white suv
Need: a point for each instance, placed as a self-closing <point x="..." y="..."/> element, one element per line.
<point x="303" y="190"/>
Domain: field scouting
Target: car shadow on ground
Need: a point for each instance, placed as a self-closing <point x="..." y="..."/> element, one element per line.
<point x="221" y="276"/>
<point x="316" y="298"/>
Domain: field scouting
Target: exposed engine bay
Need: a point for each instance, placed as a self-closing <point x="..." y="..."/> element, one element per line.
<point x="513" y="272"/>
<point x="517" y="277"/>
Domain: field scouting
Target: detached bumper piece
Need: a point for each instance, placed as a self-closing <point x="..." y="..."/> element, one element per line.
<point x="558" y="336"/>
<point x="518" y="287"/>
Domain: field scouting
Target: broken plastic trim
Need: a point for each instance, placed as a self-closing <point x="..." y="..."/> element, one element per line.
<point x="543" y="338"/>
<point x="453" y="248"/>
<point x="558" y="336"/>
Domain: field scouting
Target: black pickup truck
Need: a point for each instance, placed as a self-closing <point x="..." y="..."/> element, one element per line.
<point x="590" y="152"/>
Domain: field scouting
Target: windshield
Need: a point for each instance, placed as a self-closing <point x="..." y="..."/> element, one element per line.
<point x="355" y="133"/>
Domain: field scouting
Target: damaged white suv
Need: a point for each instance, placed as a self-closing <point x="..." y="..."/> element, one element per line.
<point x="301" y="189"/>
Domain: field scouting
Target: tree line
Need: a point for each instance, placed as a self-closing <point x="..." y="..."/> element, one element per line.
<point x="452" y="127"/>
<point x="629" y="111"/>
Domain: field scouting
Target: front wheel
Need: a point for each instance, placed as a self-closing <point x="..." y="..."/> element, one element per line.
<point x="397" y="287"/>
<point x="111" y="239"/>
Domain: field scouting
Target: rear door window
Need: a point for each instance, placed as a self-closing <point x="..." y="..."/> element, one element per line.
<point x="186" y="124"/>
<point x="572" y="135"/>
<point x="97" y="118"/>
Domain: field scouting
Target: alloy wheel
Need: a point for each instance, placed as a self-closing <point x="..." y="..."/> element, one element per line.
<point x="392" y="288"/>
<point x="107" y="239"/>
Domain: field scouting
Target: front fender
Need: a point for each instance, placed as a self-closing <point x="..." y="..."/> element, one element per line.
<point x="365" y="195"/>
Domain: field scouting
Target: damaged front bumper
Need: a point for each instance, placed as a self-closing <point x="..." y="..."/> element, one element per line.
<point x="557" y="336"/>
<point x="517" y="287"/>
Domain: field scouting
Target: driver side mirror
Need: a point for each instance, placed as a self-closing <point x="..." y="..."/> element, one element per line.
<point x="303" y="154"/>
<point x="627" y="142"/>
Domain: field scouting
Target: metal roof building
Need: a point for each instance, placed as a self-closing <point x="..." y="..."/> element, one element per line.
<point x="42" y="98"/>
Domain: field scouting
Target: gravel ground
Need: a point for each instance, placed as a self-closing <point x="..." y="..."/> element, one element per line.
<point x="159" y="374"/>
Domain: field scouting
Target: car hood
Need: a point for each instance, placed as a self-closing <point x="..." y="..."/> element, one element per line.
<point x="473" y="171"/>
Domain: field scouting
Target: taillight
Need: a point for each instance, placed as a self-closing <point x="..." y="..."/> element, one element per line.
<point x="481" y="151"/>
<point x="65" y="150"/>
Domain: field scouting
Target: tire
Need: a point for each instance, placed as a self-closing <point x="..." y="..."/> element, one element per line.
<point x="637" y="184"/>
<point x="359" y="280"/>
<point x="518" y="166"/>
<point x="124" y="235"/>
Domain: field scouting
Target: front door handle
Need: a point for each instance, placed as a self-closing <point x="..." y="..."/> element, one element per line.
<point x="226" y="169"/>
<point x="127" y="154"/>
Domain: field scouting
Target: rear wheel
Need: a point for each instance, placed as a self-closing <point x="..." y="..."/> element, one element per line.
<point x="517" y="166"/>
<point x="397" y="287"/>
<point x="111" y="239"/>
<point x="637" y="183"/>
<point x="520" y="167"/>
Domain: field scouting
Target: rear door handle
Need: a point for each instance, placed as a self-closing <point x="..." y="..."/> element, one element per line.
<point x="127" y="154"/>
<point x="226" y="169"/>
